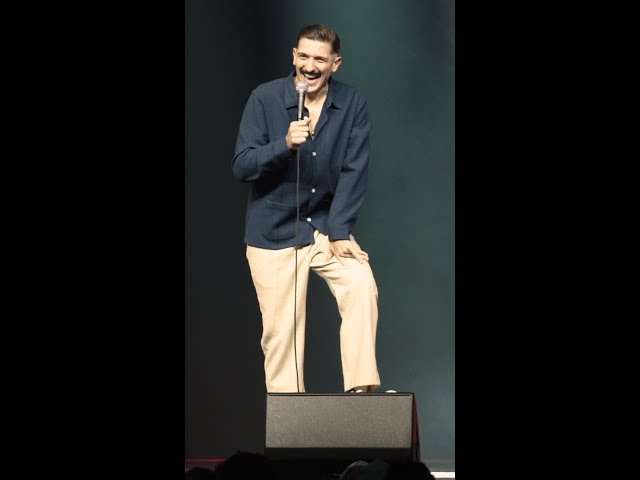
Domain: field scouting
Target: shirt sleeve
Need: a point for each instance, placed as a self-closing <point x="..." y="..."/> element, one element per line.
<point x="255" y="156"/>
<point x="352" y="183"/>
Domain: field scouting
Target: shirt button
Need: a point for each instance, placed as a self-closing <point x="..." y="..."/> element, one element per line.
<point x="308" y="219"/>
<point x="313" y="190"/>
<point x="314" y="154"/>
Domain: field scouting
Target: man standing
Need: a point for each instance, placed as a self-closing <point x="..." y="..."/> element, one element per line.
<point x="333" y="140"/>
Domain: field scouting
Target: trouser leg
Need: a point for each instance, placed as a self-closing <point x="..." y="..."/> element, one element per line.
<point x="273" y="275"/>
<point x="356" y="294"/>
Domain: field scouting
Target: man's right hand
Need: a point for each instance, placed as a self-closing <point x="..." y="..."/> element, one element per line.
<point x="298" y="133"/>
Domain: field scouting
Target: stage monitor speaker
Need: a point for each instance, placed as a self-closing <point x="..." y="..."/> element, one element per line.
<point x="342" y="426"/>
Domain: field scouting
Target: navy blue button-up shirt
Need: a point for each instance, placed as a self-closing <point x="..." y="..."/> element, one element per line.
<point x="333" y="165"/>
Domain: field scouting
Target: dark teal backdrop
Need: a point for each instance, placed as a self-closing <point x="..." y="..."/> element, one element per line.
<point x="400" y="54"/>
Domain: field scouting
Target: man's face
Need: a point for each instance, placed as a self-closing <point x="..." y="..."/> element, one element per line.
<point x="314" y="62"/>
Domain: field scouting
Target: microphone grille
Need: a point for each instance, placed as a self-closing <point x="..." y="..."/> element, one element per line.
<point x="302" y="87"/>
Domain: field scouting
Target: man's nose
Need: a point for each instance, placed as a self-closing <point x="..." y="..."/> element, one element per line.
<point x="310" y="66"/>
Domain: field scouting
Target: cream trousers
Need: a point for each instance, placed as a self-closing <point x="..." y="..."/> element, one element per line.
<point x="356" y="293"/>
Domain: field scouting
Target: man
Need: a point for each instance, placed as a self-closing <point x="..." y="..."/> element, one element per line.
<point x="333" y="140"/>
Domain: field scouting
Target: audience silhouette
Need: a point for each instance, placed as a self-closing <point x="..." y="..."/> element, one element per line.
<point x="253" y="466"/>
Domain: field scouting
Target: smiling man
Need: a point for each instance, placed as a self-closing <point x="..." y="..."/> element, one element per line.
<point x="333" y="142"/>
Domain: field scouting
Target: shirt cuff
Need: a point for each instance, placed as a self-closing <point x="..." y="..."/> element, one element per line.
<point x="281" y="150"/>
<point x="340" y="232"/>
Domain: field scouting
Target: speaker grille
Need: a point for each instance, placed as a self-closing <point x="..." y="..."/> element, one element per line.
<point x="332" y="422"/>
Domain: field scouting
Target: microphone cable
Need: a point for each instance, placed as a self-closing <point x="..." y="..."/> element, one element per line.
<point x="301" y="88"/>
<point x="295" y="280"/>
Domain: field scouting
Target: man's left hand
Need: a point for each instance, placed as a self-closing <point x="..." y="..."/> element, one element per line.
<point x="342" y="249"/>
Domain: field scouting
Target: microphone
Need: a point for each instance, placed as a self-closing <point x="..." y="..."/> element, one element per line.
<point x="301" y="88"/>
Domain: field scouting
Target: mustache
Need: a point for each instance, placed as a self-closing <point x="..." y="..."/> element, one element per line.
<point x="311" y="74"/>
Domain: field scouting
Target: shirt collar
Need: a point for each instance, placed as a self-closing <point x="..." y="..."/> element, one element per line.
<point x="334" y="98"/>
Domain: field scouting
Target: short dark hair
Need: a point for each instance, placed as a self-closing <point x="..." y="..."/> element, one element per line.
<point x="320" y="33"/>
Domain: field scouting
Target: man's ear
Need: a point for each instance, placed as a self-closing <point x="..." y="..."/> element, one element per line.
<point x="336" y="64"/>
